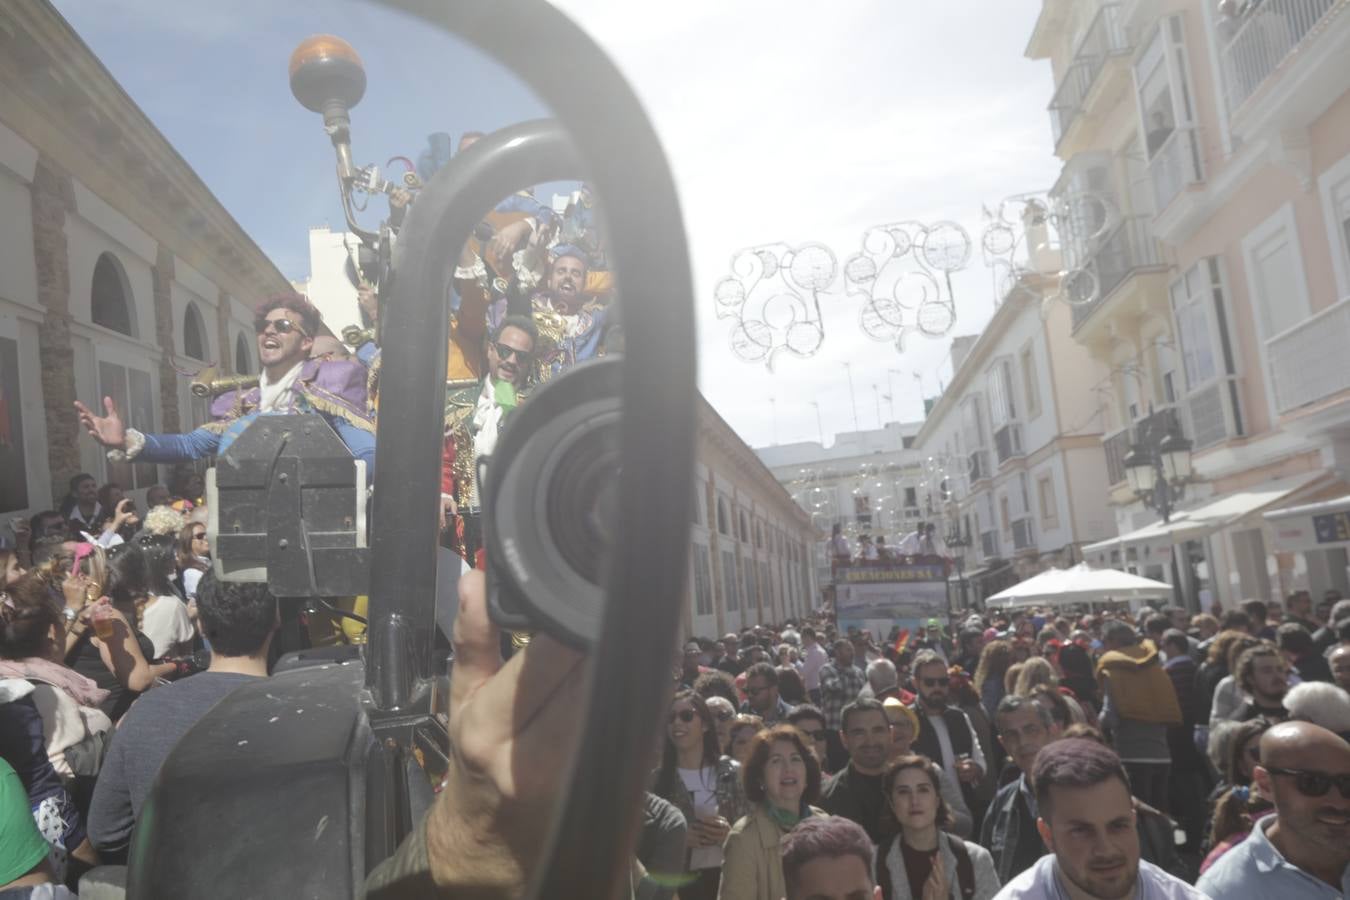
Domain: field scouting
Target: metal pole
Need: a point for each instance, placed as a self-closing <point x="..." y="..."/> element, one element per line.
<point x="819" y="426"/>
<point x="853" y="398"/>
<point x="876" y="395"/>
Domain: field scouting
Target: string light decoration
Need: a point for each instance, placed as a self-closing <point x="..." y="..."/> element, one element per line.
<point x="1060" y="237"/>
<point x="900" y="274"/>
<point x="772" y="298"/>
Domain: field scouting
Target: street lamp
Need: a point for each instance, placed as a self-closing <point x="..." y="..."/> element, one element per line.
<point x="957" y="540"/>
<point x="1158" y="472"/>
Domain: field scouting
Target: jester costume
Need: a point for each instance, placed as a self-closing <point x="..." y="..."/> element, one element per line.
<point x="335" y="389"/>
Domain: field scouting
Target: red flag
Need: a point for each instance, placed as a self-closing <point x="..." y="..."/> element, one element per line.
<point x="901" y="640"/>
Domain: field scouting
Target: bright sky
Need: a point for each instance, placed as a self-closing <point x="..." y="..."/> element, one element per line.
<point x="786" y="121"/>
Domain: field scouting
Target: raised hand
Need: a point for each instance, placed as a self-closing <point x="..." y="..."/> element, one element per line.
<point x="108" y="430"/>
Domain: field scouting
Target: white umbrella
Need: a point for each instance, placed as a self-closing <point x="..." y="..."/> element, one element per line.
<point x="1080" y="584"/>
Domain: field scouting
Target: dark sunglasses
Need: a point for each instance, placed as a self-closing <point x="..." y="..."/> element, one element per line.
<point x="505" y="352"/>
<point x="684" y="715"/>
<point x="933" y="682"/>
<point x="280" y="326"/>
<point x="1315" y="784"/>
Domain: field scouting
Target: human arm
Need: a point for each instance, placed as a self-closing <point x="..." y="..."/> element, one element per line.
<point x="359" y="441"/>
<point x="122" y="656"/>
<point x="487" y="828"/>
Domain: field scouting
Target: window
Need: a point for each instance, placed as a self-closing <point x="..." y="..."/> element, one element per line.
<point x="723" y="525"/>
<point x="862" y="510"/>
<point x="1334" y="185"/>
<point x="911" y="498"/>
<point x="1045" y="493"/>
<point x="194" y="334"/>
<point x="730" y="593"/>
<point x="696" y="513"/>
<point x="907" y="442"/>
<point x="243" y="361"/>
<point x="1029" y="381"/>
<point x="130" y="389"/>
<point x="751" y="586"/>
<point x="703" y="599"/>
<point x="1002" y="409"/>
<point x="767" y="582"/>
<point x="1005" y="520"/>
<point x="759" y="535"/>
<point x="13" y="463"/>
<point x="743" y="527"/>
<point x="1275" y="269"/>
<point x="110" y="297"/>
<point x="1206" y="354"/>
<point x="972" y="423"/>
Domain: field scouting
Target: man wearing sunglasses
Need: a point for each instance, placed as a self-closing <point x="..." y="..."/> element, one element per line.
<point x="290" y="382"/>
<point x="474" y="414"/>
<point x="946" y="735"/>
<point x="1303" y="850"/>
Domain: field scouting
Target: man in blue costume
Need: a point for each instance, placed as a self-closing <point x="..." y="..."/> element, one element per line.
<point x="290" y="382"/>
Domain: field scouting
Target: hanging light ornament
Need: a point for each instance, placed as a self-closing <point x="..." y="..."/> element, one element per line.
<point x="772" y="298"/>
<point x="900" y="274"/>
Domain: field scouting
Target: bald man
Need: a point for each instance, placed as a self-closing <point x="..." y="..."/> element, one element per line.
<point x="1302" y="852"/>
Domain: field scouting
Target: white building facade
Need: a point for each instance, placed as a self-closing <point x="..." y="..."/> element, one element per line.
<point x="1017" y="435"/>
<point x="119" y="270"/>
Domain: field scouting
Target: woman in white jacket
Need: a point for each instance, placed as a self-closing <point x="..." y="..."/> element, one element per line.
<point x="923" y="861"/>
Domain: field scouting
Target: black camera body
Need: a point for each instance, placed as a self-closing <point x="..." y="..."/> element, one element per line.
<point x="550" y="502"/>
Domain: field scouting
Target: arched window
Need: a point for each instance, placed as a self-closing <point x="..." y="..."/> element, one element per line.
<point x="243" y="362"/>
<point x="111" y="297"/>
<point x="194" y="333"/>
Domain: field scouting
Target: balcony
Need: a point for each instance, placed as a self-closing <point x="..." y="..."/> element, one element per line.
<point x="1307" y="362"/>
<point x="1128" y="249"/>
<point x="1023" y="536"/>
<point x="1213" y="410"/>
<point x="1104" y="40"/>
<point x="1117" y="445"/>
<point x="979" y="466"/>
<point x="1255" y="45"/>
<point x="989" y="544"/>
<point x="1008" y="442"/>
<point x="1175" y="166"/>
<point x="1150" y="429"/>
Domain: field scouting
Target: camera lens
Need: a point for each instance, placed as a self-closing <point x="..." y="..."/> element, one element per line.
<point x="581" y="502"/>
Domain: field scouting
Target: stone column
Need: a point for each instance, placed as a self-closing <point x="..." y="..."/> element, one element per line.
<point x="53" y="195"/>
<point x="163" y="275"/>
<point x="223" y="341"/>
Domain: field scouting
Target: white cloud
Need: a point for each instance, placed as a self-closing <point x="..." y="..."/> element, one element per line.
<point x="797" y="121"/>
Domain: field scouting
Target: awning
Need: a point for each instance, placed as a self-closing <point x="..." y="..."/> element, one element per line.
<point x="1314" y="526"/>
<point x="1080" y="584"/>
<point x="1215" y="515"/>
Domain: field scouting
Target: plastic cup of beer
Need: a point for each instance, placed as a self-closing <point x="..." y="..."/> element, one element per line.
<point x="105" y="621"/>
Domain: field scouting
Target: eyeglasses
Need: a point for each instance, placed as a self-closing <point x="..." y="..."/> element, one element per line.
<point x="818" y="735"/>
<point x="684" y="715"/>
<point x="505" y="352"/>
<point x="280" y="326"/>
<point x="933" y="682"/>
<point x="1315" y="784"/>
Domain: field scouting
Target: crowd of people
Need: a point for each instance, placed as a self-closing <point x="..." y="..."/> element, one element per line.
<point x="1030" y="754"/>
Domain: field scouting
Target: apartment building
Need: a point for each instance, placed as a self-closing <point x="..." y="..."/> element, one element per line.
<point x="752" y="545"/>
<point x="1216" y="290"/>
<point x="868" y="482"/>
<point x="119" y="269"/>
<point x="1018" y="432"/>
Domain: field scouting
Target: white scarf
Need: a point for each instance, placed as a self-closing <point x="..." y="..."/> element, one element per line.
<point x="277" y="397"/>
